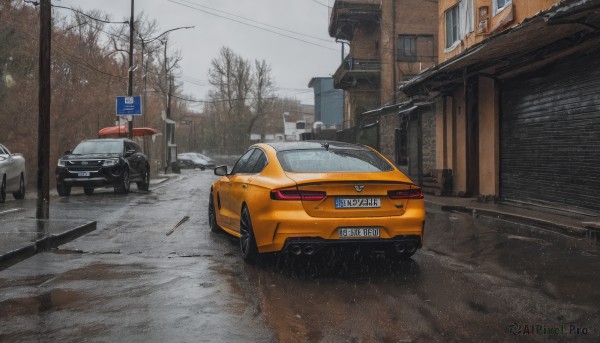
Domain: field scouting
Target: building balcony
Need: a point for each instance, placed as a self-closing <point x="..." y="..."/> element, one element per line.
<point x="347" y="14"/>
<point x="356" y="71"/>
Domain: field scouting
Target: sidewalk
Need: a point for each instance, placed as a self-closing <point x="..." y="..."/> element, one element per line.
<point x="22" y="236"/>
<point x="574" y="224"/>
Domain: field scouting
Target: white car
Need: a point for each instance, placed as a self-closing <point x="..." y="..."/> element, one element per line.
<point x="12" y="174"/>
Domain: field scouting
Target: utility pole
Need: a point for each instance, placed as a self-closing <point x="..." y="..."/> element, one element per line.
<point x="44" y="91"/>
<point x="130" y="71"/>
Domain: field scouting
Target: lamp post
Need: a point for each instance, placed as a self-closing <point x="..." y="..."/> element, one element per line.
<point x="145" y="68"/>
<point x="145" y="43"/>
<point x="130" y="70"/>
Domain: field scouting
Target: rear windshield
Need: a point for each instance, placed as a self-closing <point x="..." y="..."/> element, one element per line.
<point x="98" y="147"/>
<point x="332" y="160"/>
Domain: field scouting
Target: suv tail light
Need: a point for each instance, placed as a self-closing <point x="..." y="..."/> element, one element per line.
<point x="411" y="193"/>
<point x="294" y="194"/>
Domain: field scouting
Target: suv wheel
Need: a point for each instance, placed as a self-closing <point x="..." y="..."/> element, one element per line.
<point x="144" y="185"/>
<point x="88" y="190"/>
<point x="124" y="185"/>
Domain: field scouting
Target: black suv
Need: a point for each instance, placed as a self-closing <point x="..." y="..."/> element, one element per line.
<point x="103" y="163"/>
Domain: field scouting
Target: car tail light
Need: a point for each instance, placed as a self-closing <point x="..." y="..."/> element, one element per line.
<point x="294" y="194"/>
<point x="411" y="193"/>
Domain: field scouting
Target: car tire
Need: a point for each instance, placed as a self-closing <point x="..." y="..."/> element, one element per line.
<point x="21" y="193"/>
<point x="248" y="246"/>
<point x="124" y="184"/>
<point x="212" y="215"/>
<point x="144" y="185"/>
<point x="3" y="191"/>
<point x="88" y="190"/>
<point x="63" y="191"/>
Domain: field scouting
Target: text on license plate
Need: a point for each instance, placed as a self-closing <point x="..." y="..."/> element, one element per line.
<point x="83" y="174"/>
<point x="356" y="202"/>
<point x="350" y="232"/>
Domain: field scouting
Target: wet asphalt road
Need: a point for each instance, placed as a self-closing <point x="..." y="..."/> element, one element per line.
<point x="141" y="278"/>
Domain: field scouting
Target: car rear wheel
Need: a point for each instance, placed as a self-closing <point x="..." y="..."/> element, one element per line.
<point x="21" y="193"/>
<point x="63" y="191"/>
<point x="3" y="191"/>
<point x="125" y="183"/>
<point x="88" y="190"/>
<point x="212" y="216"/>
<point x="144" y="185"/>
<point x="248" y="246"/>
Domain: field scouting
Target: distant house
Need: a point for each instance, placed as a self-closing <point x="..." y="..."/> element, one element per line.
<point x="329" y="102"/>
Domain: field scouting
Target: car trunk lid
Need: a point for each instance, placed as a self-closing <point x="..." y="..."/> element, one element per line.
<point x="348" y="195"/>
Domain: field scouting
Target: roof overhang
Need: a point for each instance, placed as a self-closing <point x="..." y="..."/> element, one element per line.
<point x="566" y="28"/>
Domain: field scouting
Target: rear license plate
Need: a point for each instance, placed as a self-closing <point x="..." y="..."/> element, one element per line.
<point x="357" y="232"/>
<point x="357" y="202"/>
<point x="83" y="174"/>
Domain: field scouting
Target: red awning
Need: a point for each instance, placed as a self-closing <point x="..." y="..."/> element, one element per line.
<point x="123" y="130"/>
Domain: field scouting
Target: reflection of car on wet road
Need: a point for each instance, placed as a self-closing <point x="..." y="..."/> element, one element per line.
<point x="12" y="174"/>
<point x="103" y="163"/>
<point x="301" y="197"/>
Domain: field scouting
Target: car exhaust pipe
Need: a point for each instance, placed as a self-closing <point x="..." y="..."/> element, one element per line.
<point x="400" y="248"/>
<point x="295" y="249"/>
<point x="411" y="248"/>
<point x="309" y="250"/>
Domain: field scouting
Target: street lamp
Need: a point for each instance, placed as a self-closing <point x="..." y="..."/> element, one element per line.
<point x="145" y="67"/>
<point x="145" y="70"/>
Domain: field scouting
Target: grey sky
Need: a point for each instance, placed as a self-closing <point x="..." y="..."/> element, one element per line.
<point x="294" y="58"/>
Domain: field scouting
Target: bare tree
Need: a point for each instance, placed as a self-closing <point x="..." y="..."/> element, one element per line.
<point x="262" y="92"/>
<point x="231" y="78"/>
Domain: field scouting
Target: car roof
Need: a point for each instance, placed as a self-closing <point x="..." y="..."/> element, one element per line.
<point x="299" y="145"/>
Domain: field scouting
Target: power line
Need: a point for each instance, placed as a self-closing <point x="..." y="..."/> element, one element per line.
<point x="257" y="27"/>
<point x="258" y="22"/>
<point x="35" y="3"/>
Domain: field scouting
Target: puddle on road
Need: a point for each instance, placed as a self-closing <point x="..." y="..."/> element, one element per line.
<point x="53" y="300"/>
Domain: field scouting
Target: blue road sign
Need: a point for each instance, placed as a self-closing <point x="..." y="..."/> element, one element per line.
<point x="129" y="105"/>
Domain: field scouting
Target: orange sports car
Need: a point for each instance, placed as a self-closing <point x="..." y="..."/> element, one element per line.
<point x="302" y="197"/>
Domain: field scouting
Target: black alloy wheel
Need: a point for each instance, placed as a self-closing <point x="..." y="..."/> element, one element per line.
<point x="123" y="187"/>
<point x="88" y="190"/>
<point x="144" y="185"/>
<point x="248" y="246"/>
<point x="20" y="194"/>
<point x="3" y="191"/>
<point x="212" y="215"/>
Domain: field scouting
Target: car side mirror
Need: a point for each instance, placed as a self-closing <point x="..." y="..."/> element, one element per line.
<point x="68" y="152"/>
<point x="129" y="153"/>
<point x="221" y="170"/>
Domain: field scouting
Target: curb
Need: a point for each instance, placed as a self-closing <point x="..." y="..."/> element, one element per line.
<point x="569" y="230"/>
<point x="43" y="244"/>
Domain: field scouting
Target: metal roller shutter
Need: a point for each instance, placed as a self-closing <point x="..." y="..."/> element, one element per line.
<point x="550" y="136"/>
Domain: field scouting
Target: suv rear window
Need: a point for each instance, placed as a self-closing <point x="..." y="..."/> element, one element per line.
<point x="332" y="160"/>
<point x="98" y="147"/>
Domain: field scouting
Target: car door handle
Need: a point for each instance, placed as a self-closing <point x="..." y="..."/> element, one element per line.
<point x="245" y="186"/>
